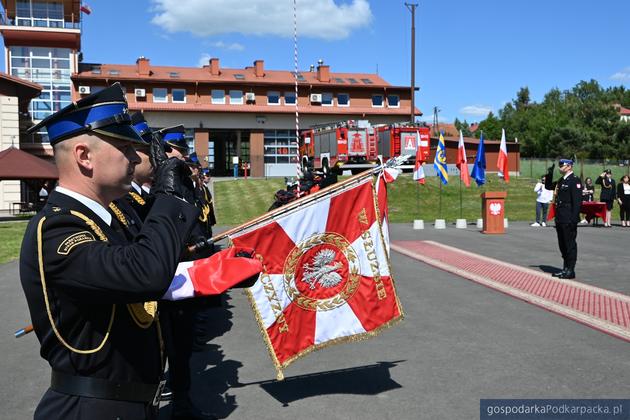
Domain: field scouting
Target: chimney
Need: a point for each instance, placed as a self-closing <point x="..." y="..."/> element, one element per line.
<point x="214" y="66"/>
<point x="323" y="71"/>
<point x="259" y="66"/>
<point x="142" y="66"/>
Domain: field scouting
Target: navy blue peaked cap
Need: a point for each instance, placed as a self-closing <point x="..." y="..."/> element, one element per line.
<point x="566" y="162"/>
<point x="174" y="137"/>
<point x="104" y="112"/>
<point x="193" y="159"/>
<point x="142" y="127"/>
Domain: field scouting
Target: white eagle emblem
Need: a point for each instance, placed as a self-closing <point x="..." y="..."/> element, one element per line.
<point x="322" y="271"/>
<point x="495" y="208"/>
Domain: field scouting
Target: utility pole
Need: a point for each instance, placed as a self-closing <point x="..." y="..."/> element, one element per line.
<point x="436" y="121"/>
<point x="412" y="9"/>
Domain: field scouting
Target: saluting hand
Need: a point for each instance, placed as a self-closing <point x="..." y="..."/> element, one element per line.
<point x="157" y="155"/>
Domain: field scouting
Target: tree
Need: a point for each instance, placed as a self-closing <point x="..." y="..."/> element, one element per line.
<point x="522" y="98"/>
<point x="491" y="127"/>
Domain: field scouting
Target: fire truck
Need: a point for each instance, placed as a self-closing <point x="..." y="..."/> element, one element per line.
<point x="403" y="139"/>
<point x="339" y="146"/>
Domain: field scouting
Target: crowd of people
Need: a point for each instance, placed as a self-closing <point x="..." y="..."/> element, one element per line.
<point x="610" y="193"/>
<point x="98" y="259"/>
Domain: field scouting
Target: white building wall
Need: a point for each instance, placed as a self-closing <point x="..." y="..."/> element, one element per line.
<point x="9" y="134"/>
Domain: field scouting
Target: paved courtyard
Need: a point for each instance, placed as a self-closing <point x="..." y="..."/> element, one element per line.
<point x="459" y="342"/>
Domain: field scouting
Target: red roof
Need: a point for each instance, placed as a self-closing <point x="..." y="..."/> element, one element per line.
<point x="17" y="164"/>
<point x="624" y="111"/>
<point x="202" y="74"/>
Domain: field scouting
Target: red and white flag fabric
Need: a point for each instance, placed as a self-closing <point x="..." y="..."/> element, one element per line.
<point x="462" y="161"/>
<point x="418" y="170"/>
<point x="326" y="276"/>
<point x="502" y="162"/>
<point x="86" y="9"/>
<point x="213" y="275"/>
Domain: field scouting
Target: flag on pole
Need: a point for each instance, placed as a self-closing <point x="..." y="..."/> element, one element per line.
<point x="325" y="276"/>
<point x="418" y="171"/>
<point x="85" y="9"/>
<point x="479" y="168"/>
<point x="502" y="162"/>
<point x="439" y="162"/>
<point x="462" y="161"/>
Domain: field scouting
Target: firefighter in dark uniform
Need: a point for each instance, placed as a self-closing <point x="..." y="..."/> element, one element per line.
<point x="567" y="200"/>
<point x="139" y="194"/>
<point x="179" y="318"/>
<point x="91" y="293"/>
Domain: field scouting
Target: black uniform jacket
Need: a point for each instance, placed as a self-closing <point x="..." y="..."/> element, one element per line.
<point x="139" y="201"/>
<point x="86" y="278"/>
<point x="568" y="198"/>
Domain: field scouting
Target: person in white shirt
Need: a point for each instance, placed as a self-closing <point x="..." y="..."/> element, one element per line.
<point x="544" y="197"/>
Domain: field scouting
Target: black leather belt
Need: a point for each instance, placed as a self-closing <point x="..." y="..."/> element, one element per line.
<point x="84" y="386"/>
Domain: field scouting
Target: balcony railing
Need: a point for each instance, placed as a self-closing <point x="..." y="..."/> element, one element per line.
<point x="25" y="21"/>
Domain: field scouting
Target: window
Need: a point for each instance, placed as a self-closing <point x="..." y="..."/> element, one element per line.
<point x="289" y="97"/>
<point x="300" y="77"/>
<point x="366" y="81"/>
<point x="218" y="96"/>
<point x="236" y="97"/>
<point x="352" y="81"/>
<point x="173" y="75"/>
<point x="160" y="95"/>
<point x="377" y="101"/>
<point x="114" y="72"/>
<point x="273" y="98"/>
<point x="343" y="99"/>
<point x="189" y="136"/>
<point x="280" y="146"/>
<point x="327" y="99"/>
<point x="211" y="154"/>
<point x="239" y="76"/>
<point x="49" y="67"/>
<point x="179" y="96"/>
<point x="393" y="101"/>
<point x="339" y="80"/>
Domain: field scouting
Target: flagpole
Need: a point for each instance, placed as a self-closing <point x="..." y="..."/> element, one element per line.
<point x="461" y="209"/>
<point x="440" y="205"/>
<point x="418" y="199"/>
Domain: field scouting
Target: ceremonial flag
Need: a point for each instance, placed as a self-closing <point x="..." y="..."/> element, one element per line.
<point x="213" y="275"/>
<point x="85" y="9"/>
<point x="479" y="168"/>
<point x="325" y="276"/>
<point x="462" y="162"/>
<point x="502" y="162"/>
<point x="439" y="162"/>
<point x="418" y="171"/>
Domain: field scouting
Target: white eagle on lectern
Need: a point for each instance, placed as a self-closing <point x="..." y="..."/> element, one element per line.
<point x="322" y="271"/>
<point x="495" y="208"/>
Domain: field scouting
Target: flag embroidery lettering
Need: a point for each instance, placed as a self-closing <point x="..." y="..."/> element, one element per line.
<point x="368" y="245"/>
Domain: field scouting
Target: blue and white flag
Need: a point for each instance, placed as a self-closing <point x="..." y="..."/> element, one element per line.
<point x="439" y="163"/>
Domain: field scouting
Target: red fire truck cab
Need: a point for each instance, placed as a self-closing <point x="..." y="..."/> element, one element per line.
<point x="403" y="139"/>
<point x="339" y="146"/>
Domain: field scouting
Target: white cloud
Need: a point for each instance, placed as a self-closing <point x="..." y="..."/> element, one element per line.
<point x="622" y="75"/>
<point x="476" y="110"/>
<point x="234" y="46"/>
<point x="322" y="19"/>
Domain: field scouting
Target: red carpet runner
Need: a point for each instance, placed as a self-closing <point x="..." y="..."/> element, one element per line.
<point x="601" y="309"/>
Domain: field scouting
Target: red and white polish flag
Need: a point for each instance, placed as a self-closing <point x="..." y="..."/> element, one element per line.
<point x="502" y="161"/>
<point x="326" y="276"/>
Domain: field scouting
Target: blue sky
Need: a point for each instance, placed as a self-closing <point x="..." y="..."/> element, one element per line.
<point x="471" y="57"/>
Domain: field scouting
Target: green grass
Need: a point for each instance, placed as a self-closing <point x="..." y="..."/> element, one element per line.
<point x="241" y="200"/>
<point x="535" y="168"/>
<point x="11" y="234"/>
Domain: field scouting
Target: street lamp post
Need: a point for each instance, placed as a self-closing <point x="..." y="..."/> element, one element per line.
<point x="412" y="9"/>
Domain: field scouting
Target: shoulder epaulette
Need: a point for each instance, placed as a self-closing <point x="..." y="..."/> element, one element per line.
<point x="137" y="198"/>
